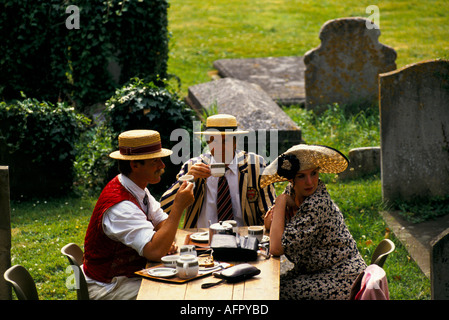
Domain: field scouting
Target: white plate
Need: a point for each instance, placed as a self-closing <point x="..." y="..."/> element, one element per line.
<point x="162" y="272"/>
<point x="216" y="264"/>
<point x="200" y="236"/>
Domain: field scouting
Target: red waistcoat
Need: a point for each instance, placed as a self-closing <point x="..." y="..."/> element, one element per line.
<point x="105" y="258"/>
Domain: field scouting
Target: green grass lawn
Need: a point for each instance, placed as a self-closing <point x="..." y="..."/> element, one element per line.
<point x="204" y="31"/>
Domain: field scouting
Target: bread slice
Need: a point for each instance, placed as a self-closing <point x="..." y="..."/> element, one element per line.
<point x="206" y="260"/>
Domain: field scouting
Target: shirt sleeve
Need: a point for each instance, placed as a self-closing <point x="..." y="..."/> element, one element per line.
<point x="126" y="223"/>
<point x="155" y="212"/>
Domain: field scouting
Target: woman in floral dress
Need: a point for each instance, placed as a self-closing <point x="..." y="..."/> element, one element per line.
<point x="308" y="227"/>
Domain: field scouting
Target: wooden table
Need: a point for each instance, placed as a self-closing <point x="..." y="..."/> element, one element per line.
<point x="264" y="286"/>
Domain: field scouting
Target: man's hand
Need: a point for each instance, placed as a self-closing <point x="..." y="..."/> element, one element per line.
<point x="173" y="249"/>
<point x="184" y="196"/>
<point x="200" y="170"/>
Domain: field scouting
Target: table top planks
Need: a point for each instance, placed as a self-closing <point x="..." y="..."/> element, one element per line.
<point x="265" y="286"/>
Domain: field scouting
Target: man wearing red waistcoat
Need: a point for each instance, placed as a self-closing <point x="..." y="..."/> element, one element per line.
<point x="127" y="226"/>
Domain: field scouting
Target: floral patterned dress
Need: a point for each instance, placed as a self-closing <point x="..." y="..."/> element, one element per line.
<point x="322" y="249"/>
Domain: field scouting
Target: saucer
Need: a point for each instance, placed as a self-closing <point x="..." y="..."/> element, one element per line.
<point x="200" y="236"/>
<point x="162" y="272"/>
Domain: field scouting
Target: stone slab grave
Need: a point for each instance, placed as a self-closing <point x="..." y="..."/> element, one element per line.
<point x="362" y="161"/>
<point x="414" y="131"/>
<point x="281" y="77"/>
<point x="439" y="266"/>
<point x="253" y="108"/>
<point x="344" y="67"/>
<point x="417" y="238"/>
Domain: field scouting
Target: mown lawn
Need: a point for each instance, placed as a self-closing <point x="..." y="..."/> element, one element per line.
<point x="205" y="31"/>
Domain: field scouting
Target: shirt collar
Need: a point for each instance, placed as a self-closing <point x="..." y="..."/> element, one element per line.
<point x="136" y="191"/>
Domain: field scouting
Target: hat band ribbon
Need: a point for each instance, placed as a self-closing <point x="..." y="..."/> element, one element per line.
<point x="221" y="128"/>
<point x="135" y="151"/>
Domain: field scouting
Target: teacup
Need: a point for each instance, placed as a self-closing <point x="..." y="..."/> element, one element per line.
<point x="233" y="223"/>
<point x="256" y="231"/>
<point x="188" y="178"/>
<point x="170" y="261"/>
<point x="187" y="249"/>
<point x="217" y="169"/>
<point x="187" y="266"/>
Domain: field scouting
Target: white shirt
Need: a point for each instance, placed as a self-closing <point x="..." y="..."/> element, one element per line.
<point x="209" y="208"/>
<point x="125" y="222"/>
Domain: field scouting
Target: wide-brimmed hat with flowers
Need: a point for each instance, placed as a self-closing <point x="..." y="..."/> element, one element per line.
<point x="224" y="124"/>
<point x="303" y="157"/>
<point x="140" y="145"/>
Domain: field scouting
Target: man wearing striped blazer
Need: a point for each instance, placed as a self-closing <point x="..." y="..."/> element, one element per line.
<point x="243" y="169"/>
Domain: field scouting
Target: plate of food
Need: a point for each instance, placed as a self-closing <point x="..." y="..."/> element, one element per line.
<point x="200" y="236"/>
<point x="206" y="261"/>
<point x="162" y="272"/>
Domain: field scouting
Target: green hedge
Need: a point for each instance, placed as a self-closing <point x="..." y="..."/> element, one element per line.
<point x="37" y="142"/>
<point x="136" y="105"/>
<point x="44" y="59"/>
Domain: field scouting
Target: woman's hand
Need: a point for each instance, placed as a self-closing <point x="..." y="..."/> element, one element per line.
<point x="290" y="206"/>
<point x="268" y="218"/>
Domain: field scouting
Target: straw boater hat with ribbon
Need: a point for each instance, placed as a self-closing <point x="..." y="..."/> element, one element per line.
<point x="224" y="124"/>
<point x="303" y="157"/>
<point x="140" y="145"/>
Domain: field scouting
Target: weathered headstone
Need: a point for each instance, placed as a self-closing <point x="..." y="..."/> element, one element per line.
<point x="414" y="131"/>
<point x="5" y="232"/>
<point x="252" y="107"/>
<point x="282" y="78"/>
<point x="439" y="267"/>
<point x="345" y="67"/>
<point x="362" y="161"/>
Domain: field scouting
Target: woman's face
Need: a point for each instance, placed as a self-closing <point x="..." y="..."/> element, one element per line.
<point x="305" y="183"/>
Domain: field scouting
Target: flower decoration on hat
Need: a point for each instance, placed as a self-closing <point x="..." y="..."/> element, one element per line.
<point x="288" y="166"/>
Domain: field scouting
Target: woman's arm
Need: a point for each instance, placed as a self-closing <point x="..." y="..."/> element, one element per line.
<point x="277" y="225"/>
<point x="284" y="208"/>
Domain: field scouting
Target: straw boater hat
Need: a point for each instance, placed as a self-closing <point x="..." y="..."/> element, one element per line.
<point x="223" y="123"/>
<point x="303" y="157"/>
<point x="139" y="145"/>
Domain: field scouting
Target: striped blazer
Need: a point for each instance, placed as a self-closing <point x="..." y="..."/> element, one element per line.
<point x="254" y="201"/>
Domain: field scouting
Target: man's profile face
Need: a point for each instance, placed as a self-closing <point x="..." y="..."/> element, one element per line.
<point x="151" y="170"/>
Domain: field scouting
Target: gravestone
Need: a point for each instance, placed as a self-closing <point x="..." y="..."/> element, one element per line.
<point x="5" y="232"/>
<point x="345" y="67"/>
<point x="282" y="78"/>
<point x="439" y="267"/>
<point x="362" y="162"/>
<point x="414" y="131"/>
<point x="253" y="108"/>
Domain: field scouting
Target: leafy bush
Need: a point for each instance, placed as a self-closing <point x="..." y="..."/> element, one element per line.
<point x="43" y="58"/>
<point x="92" y="163"/>
<point x="141" y="105"/>
<point x="138" y="105"/>
<point x="37" y="142"/>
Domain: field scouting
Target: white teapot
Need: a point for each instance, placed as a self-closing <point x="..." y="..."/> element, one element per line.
<point x="187" y="266"/>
